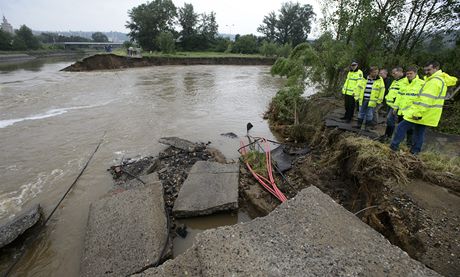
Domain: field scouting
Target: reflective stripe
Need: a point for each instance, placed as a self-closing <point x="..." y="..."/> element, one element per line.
<point x="426" y="105"/>
<point x="354" y="79"/>
<point x="442" y="88"/>
<point x="349" y="89"/>
<point x="432" y="96"/>
<point x="376" y="88"/>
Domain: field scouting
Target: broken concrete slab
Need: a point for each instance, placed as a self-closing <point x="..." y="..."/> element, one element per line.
<point x="309" y="235"/>
<point x="10" y="229"/>
<point x="126" y="232"/>
<point x="180" y="143"/>
<point x="210" y="187"/>
<point x="151" y="179"/>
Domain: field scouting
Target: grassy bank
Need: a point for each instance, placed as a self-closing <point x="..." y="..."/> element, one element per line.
<point x="122" y="52"/>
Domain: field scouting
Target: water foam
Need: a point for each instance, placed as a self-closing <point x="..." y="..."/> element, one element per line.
<point x="50" y="113"/>
<point x="12" y="202"/>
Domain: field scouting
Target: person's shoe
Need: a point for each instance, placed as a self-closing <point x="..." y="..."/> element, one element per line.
<point x="360" y="123"/>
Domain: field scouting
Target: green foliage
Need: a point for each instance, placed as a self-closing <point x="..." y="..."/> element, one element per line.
<point x="188" y="21"/>
<point x="148" y="20"/>
<point x="246" y="44"/>
<point x="6" y="40"/>
<point x="284" y="50"/>
<point x="268" y="49"/>
<point x="99" y="37"/>
<point x="450" y="120"/>
<point x="283" y="105"/>
<point x="24" y="39"/>
<point x="258" y="161"/>
<point x="292" y="25"/>
<point x="165" y="42"/>
<point x="221" y="44"/>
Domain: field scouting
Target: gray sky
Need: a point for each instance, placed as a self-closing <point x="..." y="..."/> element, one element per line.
<point x="233" y="16"/>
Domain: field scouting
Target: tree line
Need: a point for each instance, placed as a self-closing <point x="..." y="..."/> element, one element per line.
<point x="24" y="39"/>
<point x="161" y="26"/>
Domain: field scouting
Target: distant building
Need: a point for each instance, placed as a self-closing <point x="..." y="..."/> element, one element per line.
<point x="6" y="26"/>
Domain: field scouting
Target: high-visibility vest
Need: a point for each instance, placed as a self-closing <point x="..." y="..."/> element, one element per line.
<point x="377" y="93"/>
<point x="351" y="84"/>
<point x="393" y="93"/>
<point x="408" y="92"/>
<point x="427" y="107"/>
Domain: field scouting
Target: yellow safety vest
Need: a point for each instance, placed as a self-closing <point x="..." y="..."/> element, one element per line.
<point x="427" y="107"/>
<point x="377" y="93"/>
<point x="393" y="93"/>
<point x="351" y="84"/>
<point x="408" y="92"/>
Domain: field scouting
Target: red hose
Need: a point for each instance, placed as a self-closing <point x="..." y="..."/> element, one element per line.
<point x="268" y="183"/>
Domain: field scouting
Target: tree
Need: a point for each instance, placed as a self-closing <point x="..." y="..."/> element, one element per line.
<point x="208" y="26"/>
<point x="6" y="40"/>
<point x="268" y="28"/>
<point x="292" y="25"/>
<point x="188" y="20"/>
<point x="246" y="44"/>
<point x="165" y="42"/>
<point x="25" y="38"/>
<point x="99" y="37"/>
<point x="148" y="20"/>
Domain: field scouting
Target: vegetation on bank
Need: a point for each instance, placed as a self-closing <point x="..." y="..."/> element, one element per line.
<point x="190" y="54"/>
<point x="382" y="33"/>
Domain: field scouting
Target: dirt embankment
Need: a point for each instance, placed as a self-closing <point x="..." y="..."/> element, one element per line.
<point x="399" y="195"/>
<point x="111" y="61"/>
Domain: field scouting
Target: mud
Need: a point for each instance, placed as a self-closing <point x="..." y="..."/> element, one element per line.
<point x="111" y="61"/>
<point x="414" y="207"/>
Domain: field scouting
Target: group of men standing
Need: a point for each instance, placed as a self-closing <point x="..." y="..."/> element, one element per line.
<point x="413" y="103"/>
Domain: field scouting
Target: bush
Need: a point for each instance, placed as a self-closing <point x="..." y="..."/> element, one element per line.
<point x="246" y="44"/>
<point x="166" y="42"/>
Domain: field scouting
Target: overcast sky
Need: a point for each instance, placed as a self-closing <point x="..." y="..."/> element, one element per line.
<point x="233" y="16"/>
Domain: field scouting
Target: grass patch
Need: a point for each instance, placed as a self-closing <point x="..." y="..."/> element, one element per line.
<point x="441" y="163"/>
<point x="122" y="52"/>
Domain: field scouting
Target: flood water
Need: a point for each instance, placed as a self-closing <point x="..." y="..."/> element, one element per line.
<point x="51" y="122"/>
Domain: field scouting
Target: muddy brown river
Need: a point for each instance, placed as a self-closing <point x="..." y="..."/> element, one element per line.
<point x="51" y="121"/>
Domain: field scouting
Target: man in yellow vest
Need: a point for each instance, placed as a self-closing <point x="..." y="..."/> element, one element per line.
<point x="398" y="76"/>
<point x="426" y="109"/>
<point x="371" y="92"/>
<point x="408" y="92"/>
<point x="350" y="90"/>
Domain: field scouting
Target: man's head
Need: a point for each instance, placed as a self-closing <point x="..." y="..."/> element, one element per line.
<point x="431" y="67"/>
<point x="397" y="72"/>
<point x="374" y="72"/>
<point x="383" y="73"/>
<point x="354" y="65"/>
<point x="411" y="72"/>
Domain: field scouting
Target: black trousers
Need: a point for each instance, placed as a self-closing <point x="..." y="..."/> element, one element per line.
<point x="349" y="106"/>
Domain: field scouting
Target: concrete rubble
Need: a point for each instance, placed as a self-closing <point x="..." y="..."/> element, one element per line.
<point x="10" y="229"/>
<point x="127" y="231"/>
<point x="210" y="187"/>
<point x="309" y="235"/>
<point x="180" y="143"/>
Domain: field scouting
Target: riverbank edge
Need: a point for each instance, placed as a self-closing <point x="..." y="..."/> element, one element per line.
<point x="112" y="61"/>
<point x="6" y="58"/>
